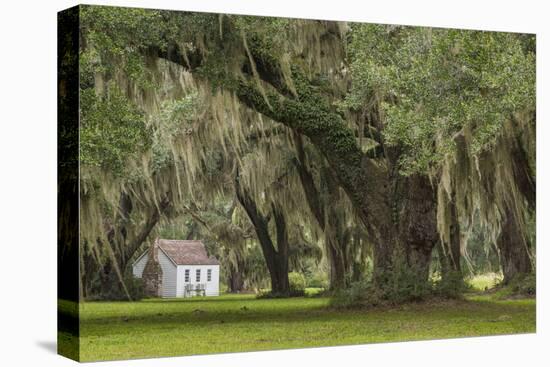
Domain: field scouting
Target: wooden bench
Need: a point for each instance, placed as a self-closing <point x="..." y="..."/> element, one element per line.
<point x="190" y="290"/>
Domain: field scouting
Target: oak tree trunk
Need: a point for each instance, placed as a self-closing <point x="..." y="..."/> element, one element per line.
<point x="407" y="228"/>
<point x="334" y="247"/>
<point x="513" y="248"/>
<point x="449" y="253"/>
<point x="276" y="258"/>
<point x="337" y="267"/>
<point x="235" y="281"/>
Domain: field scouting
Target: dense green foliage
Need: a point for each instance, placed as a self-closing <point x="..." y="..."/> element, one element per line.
<point x="113" y="131"/>
<point x="436" y="83"/>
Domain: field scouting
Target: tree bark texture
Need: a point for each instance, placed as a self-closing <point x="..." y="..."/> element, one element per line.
<point x="513" y="249"/>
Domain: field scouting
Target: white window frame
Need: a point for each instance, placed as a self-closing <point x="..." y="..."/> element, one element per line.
<point x="198" y="275"/>
<point x="208" y="275"/>
<point x="187" y="275"/>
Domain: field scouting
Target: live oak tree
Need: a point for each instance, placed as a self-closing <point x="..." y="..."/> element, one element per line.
<point x="406" y="121"/>
<point x="166" y="154"/>
<point x="460" y="105"/>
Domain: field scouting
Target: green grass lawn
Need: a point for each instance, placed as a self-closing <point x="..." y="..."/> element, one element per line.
<point x="238" y="323"/>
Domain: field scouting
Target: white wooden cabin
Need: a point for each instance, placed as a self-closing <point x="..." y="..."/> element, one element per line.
<point x="178" y="268"/>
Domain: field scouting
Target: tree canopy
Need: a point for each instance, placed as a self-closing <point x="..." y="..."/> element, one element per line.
<point x="345" y="150"/>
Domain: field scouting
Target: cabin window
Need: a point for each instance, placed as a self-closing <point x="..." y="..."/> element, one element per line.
<point x="198" y="278"/>
<point x="187" y="275"/>
<point x="209" y="275"/>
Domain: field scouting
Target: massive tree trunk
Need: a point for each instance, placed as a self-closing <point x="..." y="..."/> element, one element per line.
<point x="513" y="249"/>
<point x="276" y="258"/>
<point x="419" y="223"/>
<point x="512" y="241"/>
<point x="409" y="234"/>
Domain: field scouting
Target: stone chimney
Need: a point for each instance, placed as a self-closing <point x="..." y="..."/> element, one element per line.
<point x="152" y="273"/>
<point x="154" y="251"/>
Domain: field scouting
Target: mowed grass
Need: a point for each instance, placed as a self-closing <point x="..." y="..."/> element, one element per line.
<point x="238" y="323"/>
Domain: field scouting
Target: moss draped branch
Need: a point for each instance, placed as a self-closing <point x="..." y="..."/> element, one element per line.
<point x="327" y="132"/>
<point x="305" y="115"/>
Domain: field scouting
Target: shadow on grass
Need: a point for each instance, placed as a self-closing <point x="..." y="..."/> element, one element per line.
<point x="259" y="312"/>
<point x="206" y="318"/>
<point x="204" y="306"/>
